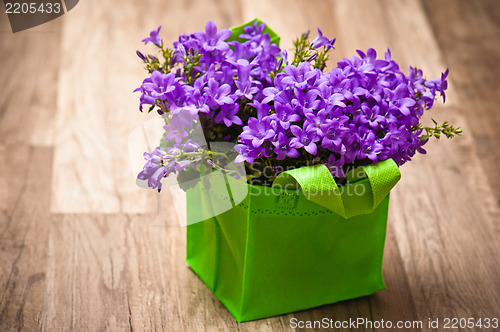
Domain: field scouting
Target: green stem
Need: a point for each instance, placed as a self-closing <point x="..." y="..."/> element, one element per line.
<point x="443" y="129"/>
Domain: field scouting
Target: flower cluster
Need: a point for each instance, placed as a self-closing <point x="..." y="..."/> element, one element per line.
<point x="243" y="89"/>
<point x="362" y="111"/>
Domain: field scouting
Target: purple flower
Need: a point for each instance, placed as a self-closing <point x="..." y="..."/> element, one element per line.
<point x="352" y="148"/>
<point x="145" y="100"/>
<point x="438" y="84"/>
<point x="178" y="128"/>
<point x="154" y="37"/>
<point x="284" y="57"/>
<point x="306" y="101"/>
<point x="396" y="137"/>
<point x="326" y="92"/>
<point x="283" y="148"/>
<point x="371" y="116"/>
<point x="400" y="99"/>
<point x="284" y="115"/>
<point x="196" y="102"/>
<point x="257" y="131"/>
<point x="248" y="153"/>
<point x="336" y="99"/>
<point x="218" y="95"/>
<point x="321" y="40"/>
<point x="228" y="115"/>
<point x="213" y="40"/>
<point x="335" y="165"/>
<point x="253" y="32"/>
<point x="386" y="113"/>
<point x="154" y="170"/>
<point x="298" y="76"/>
<point x="371" y="57"/>
<point x="333" y="133"/>
<point x="269" y="93"/>
<point x="304" y="138"/>
<point x="191" y="146"/>
<point x="246" y="87"/>
<point x="262" y="109"/>
<point x="159" y="84"/>
<point x="315" y="120"/>
<point x="176" y="99"/>
<point x="370" y="148"/>
<point x="266" y="54"/>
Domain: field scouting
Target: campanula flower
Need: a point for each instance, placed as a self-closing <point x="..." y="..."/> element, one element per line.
<point x="257" y="131"/>
<point x="212" y="40"/>
<point x="321" y="40"/>
<point x="304" y="138"/>
<point x="154" y="169"/>
<point x="154" y="37"/>
<point x="228" y="115"/>
<point x="283" y="149"/>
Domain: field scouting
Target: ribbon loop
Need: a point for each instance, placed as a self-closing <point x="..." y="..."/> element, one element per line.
<point x="367" y="186"/>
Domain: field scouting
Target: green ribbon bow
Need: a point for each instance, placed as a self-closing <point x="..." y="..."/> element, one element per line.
<point x="367" y="186"/>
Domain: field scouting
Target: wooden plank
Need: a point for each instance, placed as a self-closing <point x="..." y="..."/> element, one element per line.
<point x="43" y="102"/>
<point x="125" y="273"/>
<point x="23" y="248"/>
<point x="469" y="34"/>
<point x="27" y="112"/>
<point x="291" y="22"/>
<point x="401" y="27"/>
<point x="26" y="102"/>
<point x="87" y="277"/>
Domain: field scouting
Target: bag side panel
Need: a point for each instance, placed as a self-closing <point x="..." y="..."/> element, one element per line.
<point x="201" y="239"/>
<point x="232" y="232"/>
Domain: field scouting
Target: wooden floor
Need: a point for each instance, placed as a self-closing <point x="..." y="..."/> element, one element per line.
<point x="82" y="248"/>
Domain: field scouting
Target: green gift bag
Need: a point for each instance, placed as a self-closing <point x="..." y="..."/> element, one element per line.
<point x="277" y="251"/>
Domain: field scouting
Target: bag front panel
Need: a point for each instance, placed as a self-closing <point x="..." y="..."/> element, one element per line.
<point x="277" y="252"/>
<point x="306" y="257"/>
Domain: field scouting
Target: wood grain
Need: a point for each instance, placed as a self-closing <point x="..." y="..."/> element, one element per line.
<point x="469" y="34"/>
<point x="82" y="248"/>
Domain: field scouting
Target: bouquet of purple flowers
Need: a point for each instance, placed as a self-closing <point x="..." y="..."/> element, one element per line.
<point x="280" y="110"/>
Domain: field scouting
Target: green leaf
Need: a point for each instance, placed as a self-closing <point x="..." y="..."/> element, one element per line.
<point x="237" y="31"/>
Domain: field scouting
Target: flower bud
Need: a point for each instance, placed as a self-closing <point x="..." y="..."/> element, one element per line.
<point x="142" y="56"/>
<point x="312" y="57"/>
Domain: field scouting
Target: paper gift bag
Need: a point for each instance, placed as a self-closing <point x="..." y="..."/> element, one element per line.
<point x="282" y="250"/>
